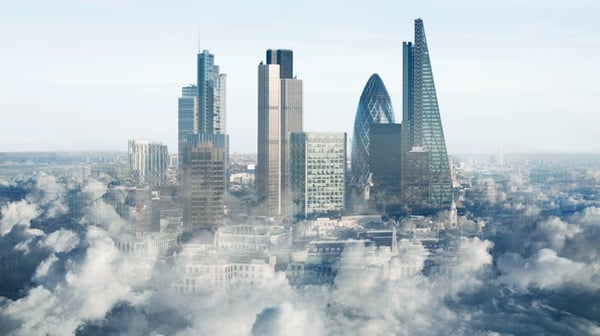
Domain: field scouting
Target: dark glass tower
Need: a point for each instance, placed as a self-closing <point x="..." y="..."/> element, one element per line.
<point x="385" y="166"/>
<point x="426" y="180"/>
<point x="285" y="59"/>
<point x="374" y="107"/>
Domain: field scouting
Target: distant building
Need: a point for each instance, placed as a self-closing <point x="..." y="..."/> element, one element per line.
<point x="324" y="227"/>
<point x="317" y="173"/>
<point x="148" y="162"/>
<point x="423" y="143"/>
<point x="203" y="187"/>
<point x="374" y="107"/>
<point x="208" y="272"/>
<point x="253" y="237"/>
<point x="279" y="114"/>
<point x="211" y="95"/>
<point x="188" y="116"/>
<point x="217" y="140"/>
<point x="385" y="165"/>
<point x="146" y="245"/>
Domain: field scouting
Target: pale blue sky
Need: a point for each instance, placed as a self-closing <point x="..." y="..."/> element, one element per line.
<point x="88" y="75"/>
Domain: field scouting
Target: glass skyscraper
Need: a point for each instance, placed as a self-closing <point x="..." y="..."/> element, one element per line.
<point x="426" y="180"/>
<point x="187" y="116"/>
<point x="211" y="95"/>
<point x="374" y="107"/>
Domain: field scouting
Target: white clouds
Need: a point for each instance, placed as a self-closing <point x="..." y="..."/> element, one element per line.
<point x="472" y="257"/>
<point x="14" y="213"/>
<point x="545" y="270"/>
<point x="49" y="195"/>
<point x="90" y="288"/>
<point x="61" y="240"/>
<point x="558" y="231"/>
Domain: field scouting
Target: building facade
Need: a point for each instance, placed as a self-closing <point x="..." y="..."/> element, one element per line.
<point x="148" y="162"/>
<point x="187" y="116"/>
<point x="211" y="94"/>
<point x="426" y="180"/>
<point x="385" y="166"/>
<point x="203" y="188"/>
<point x="374" y="107"/>
<point x="318" y="173"/>
<point x="279" y="114"/>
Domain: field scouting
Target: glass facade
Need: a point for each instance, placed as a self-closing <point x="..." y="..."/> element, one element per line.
<point x="187" y="116"/>
<point x="374" y="107"/>
<point x="285" y="59"/>
<point x="318" y="173"/>
<point x="211" y="95"/>
<point x="385" y="164"/>
<point x="422" y="131"/>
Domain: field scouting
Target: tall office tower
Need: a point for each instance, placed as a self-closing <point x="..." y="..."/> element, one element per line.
<point x="374" y="107"/>
<point x="279" y="114"/>
<point x="203" y="187"/>
<point x="148" y="162"/>
<point x="188" y="116"/>
<point x="211" y="95"/>
<point x="385" y="165"/>
<point x="318" y="173"/>
<point x="426" y="181"/>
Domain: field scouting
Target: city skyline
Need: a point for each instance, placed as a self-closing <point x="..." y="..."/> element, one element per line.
<point x="97" y="74"/>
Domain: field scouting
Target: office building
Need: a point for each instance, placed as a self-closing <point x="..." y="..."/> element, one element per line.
<point x="148" y="162"/>
<point x="203" y="187"/>
<point x="385" y="165"/>
<point x="218" y="141"/>
<point x="318" y="173"/>
<point x="374" y="107"/>
<point x="188" y="116"/>
<point x="211" y="95"/>
<point x="279" y="114"/>
<point x="426" y="181"/>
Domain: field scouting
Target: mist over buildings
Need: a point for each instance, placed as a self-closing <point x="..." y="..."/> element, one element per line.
<point x="522" y="260"/>
<point x="319" y="232"/>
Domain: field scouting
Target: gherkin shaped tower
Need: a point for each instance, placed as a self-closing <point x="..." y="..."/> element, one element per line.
<point x="426" y="180"/>
<point x="374" y="107"/>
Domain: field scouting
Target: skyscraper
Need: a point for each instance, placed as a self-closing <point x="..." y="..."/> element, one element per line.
<point x="318" y="173"/>
<point x="148" y="161"/>
<point x="211" y="95"/>
<point x="188" y="116"/>
<point x="279" y="114"/>
<point x="203" y="179"/>
<point x="385" y="165"/>
<point x="203" y="146"/>
<point x="374" y="107"/>
<point x="426" y="181"/>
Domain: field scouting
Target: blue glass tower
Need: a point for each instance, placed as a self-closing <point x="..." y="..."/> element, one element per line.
<point x="374" y="107"/>
<point x="211" y="95"/>
<point x="426" y="180"/>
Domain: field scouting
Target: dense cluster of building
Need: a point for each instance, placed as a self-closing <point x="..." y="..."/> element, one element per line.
<point x="303" y="205"/>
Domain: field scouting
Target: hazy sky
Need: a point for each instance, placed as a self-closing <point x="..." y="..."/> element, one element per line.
<point x="88" y="75"/>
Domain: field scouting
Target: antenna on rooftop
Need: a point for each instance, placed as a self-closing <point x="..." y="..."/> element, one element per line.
<point x="199" y="45"/>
